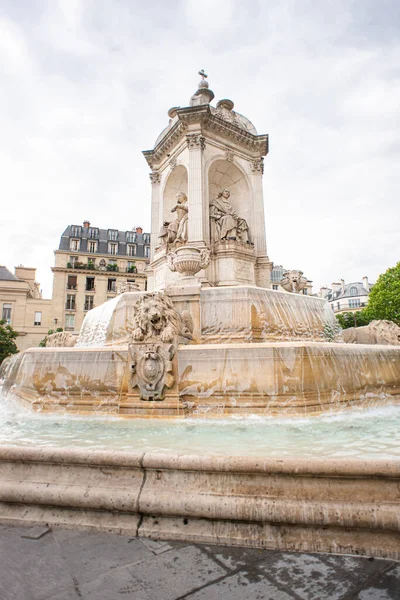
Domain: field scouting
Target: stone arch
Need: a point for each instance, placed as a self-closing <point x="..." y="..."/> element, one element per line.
<point x="226" y="174"/>
<point x="177" y="181"/>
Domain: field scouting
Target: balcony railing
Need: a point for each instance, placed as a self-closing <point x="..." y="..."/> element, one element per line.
<point x="72" y="287"/>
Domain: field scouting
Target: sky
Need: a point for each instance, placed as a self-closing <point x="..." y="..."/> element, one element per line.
<point x="86" y="86"/>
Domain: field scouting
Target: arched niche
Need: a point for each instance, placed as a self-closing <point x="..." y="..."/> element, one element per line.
<point x="176" y="182"/>
<point x="224" y="174"/>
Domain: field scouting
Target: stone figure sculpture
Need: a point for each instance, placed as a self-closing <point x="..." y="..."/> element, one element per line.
<point x="293" y="281"/>
<point x="229" y="226"/>
<point x="376" y="332"/>
<point x="176" y="231"/>
<point x="155" y="319"/>
<point x="128" y="286"/>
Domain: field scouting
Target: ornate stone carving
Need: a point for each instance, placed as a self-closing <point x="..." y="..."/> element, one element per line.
<point x="228" y="225"/>
<point x="173" y="162"/>
<point x="176" y="231"/>
<point x="225" y="111"/>
<point x="61" y="339"/>
<point x="195" y="141"/>
<point x="293" y="281"/>
<point x="155" y="177"/>
<point x="257" y="166"/>
<point x="229" y="155"/>
<point x="127" y="286"/>
<point x="376" y="332"/>
<point x="155" y="319"/>
<point x="151" y="369"/>
<point x="188" y="260"/>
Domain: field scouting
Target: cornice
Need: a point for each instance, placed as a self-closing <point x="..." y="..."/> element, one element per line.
<point x="206" y="122"/>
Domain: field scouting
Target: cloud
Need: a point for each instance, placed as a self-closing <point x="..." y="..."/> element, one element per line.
<point x="88" y="85"/>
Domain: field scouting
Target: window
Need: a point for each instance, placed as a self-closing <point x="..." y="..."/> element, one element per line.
<point x="130" y="237"/>
<point x="89" y="303"/>
<point x="131" y="268"/>
<point x="338" y="305"/>
<point x="74" y="245"/>
<point x="76" y="231"/>
<point x="131" y="250"/>
<point x="354" y="303"/>
<point x="146" y="239"/>
<point x="72" y="282"/>
<point x="147" y="251"/>
<point x="70" y="304"/>
<point x="93" y="233"/>
<point x="112" y="248"/>
<point x="92" y="246"/>
<point x="73" y="260"/>
<point x="277" y="274"/>
<point x="90" y="284"/>
<point x="305" y="291"/>
<point x="38" y="318"/>
<point x="69" y="321"/>
<point x="112" y="285"/>
<point x="353" y="291"/>
<point x="7" y="313"/>
<point x="113" y="234"/>
<point x="274" y="287"/>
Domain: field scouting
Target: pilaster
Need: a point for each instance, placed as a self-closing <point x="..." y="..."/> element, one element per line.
<point x="197" y="229"/>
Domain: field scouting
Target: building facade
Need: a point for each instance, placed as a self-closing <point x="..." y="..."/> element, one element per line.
<point x="23" y="307"/>
<point x="347" y="297"/>
<point x="277" y="276"/>
<point x="90" y="264"/>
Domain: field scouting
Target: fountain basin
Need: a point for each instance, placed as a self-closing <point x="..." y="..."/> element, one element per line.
<point x="293" y="378"/>
<point x="313" y="505"/>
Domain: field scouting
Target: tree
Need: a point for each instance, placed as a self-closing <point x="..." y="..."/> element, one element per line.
<point x="384" y="298"/>
<point x="7" y="344"/>
<point x="42" y="344"/>
<point x="353" y="319"/>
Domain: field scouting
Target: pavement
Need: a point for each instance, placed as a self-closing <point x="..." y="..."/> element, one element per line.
<point x="37" y="563"/>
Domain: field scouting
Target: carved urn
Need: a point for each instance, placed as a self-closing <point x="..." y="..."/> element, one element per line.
<point x="188" y="260"/>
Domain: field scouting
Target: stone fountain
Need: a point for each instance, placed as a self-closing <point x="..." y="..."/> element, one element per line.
<point x="209" y="338"/>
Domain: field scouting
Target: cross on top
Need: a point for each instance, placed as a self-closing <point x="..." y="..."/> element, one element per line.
<point x="204" y="76"/>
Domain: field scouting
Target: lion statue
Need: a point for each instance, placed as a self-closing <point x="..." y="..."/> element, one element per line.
<point x="377" y="332"/>
<point x="293" y="281"/>
<point x="61" y="339"/>
<point x="155" y="318"/>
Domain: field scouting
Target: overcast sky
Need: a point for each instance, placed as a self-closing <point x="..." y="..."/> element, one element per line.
<point x="86" y="85"/>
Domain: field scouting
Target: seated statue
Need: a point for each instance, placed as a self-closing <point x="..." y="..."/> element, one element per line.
<point x="228" y="225"/>
<point x="177" y="230"/>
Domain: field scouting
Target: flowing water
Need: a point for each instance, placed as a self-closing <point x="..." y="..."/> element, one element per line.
<point x="356" y="433"/>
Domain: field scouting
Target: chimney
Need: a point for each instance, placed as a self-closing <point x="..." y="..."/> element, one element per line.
<point x="86" y="224"/>
<point x="139" y="230"/>
<point x="365" y="283"/>
<point x="342" y="285"/>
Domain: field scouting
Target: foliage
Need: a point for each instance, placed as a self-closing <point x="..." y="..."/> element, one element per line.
<point x="69" y="265"/>
<point x="7" y="337"/>
<point x="42" y="344"/>
<point x="90" y="265"/>
<point x="384" y="298"/>
<point x="132" y="269"/>
<point x="353" y="319"/>
<point x="112" y="267"/>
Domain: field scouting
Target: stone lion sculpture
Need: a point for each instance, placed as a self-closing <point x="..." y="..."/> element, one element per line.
<point x="61" y="339"/>
<point x="155" y="318"/>
<point x="293" y="281"/>
<point x="377" y="332"/>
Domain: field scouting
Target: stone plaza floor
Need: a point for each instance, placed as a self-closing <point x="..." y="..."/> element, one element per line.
<point x="37" y="563"/>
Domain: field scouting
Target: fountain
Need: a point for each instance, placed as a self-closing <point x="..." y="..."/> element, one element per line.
<point x="209" y="340"/>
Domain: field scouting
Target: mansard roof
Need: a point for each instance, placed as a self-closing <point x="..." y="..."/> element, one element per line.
<point x="6" y="275"/>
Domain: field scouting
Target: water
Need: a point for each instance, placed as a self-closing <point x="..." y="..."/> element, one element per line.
<point x="370" y="433"/>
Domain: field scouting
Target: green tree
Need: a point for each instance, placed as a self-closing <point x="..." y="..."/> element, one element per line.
<point x="7" y="344"/>
<point x="42" y="344"/>
<point x="384" y="298"/>
<point x="353" y="319"/>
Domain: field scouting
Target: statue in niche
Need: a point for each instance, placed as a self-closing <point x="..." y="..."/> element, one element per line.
<point x="176" y="232"/>
<point x="229" y="226"/>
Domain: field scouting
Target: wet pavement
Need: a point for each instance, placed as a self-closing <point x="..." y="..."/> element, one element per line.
<point x="37" y="563"/>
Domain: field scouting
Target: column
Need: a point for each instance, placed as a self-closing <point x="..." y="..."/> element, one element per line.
<point x="155" y="179"/>
<point x="196" y="192"/>
<point x="258" y="225"/>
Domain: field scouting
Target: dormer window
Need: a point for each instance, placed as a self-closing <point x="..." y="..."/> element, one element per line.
<point x="74" y="245"/>
<point x="130" y="237"/>
<point x="76" y="230"/>
<point x="353" y="291"/>
<point x="113" y="234"/>
<point x="93" y="232"/>
<point x="112" y="248"/>
<point x="131" y="249"/>
<point x="92" y="246"/>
